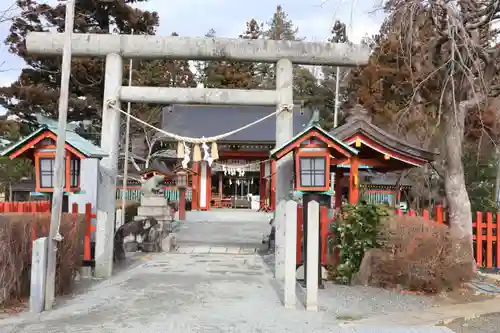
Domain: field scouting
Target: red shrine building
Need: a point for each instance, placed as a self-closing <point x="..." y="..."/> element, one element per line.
<point x="380" y="154"/>
<point x="216" y="186"/>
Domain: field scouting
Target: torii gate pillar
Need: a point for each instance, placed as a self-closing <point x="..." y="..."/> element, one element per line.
<point x="116" y="47"/>
<point x="108" y="167"/>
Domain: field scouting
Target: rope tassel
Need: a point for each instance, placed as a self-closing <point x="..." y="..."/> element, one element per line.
<point x="196" y="153"/>
<point x="180" y="149"/>
<point x="214" y="152"/>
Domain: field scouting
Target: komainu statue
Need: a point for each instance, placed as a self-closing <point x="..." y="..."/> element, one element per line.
<point x="151" y="186"/>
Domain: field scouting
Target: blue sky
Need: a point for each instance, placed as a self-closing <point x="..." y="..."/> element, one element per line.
<point x="228" y="17"/>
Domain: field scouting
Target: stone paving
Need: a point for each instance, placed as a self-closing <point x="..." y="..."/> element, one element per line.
<point x="181" y="293"/>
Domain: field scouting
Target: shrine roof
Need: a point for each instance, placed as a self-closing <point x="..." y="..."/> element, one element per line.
<point x="160" y="167"/>
<point x="314" y="128"/>
<point x="359" y="123"/>
<point x="73" y="139"/>
<point x="210" y="120"/>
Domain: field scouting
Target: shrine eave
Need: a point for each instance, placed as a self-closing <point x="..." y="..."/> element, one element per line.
<point x="383" y="142"/>
<point x="158" y="167"/>
<point x="336" y="146"/>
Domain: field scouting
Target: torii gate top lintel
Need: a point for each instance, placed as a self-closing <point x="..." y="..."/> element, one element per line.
<point x="201" y="48"/>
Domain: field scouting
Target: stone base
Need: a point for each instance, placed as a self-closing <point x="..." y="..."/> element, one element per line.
<point x="85" y="272"/>
<point x="300" y="273"/>
<point x="154" y="200"/>
<point x="153" y="211"/>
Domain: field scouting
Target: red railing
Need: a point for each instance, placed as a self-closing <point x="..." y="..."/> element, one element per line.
<point x="25" y="206"/>
<point x="44" y="207"/>
<point x="323" y="229"/>
<point x="485" y="234"/>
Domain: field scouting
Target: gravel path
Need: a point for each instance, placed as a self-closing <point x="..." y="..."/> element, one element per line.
<point x="485" y="324"/>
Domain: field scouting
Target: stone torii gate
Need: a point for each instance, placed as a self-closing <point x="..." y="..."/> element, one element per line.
<point x="117" y="47"/>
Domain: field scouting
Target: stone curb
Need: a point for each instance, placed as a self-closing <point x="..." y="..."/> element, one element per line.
<point x="438" y="316"/>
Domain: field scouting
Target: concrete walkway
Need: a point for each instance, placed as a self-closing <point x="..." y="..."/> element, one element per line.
<point x="184" y="293"/>
<point x="217" y="282"/>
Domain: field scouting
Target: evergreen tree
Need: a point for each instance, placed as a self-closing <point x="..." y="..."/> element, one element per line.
<point x="12" y="171"/>
<point x="279" y="27"/>
<point x="37" y="88"/>
<point x="232" y="74"/>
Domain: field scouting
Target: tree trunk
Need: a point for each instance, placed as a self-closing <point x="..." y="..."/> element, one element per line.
<point x="460" y="216"/>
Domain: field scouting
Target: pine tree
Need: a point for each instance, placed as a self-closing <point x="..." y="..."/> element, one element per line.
<point x="279" y="27"/>
<point x="37" y="89"/>
<point x="232" y="74"/>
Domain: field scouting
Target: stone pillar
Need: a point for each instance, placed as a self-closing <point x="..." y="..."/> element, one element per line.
<point x="108" y="167"/>
<point x="284" y="167"/>
<point x="38" y="274"/>
<point x="290" y="254"/>
<point x="312" y="256"/>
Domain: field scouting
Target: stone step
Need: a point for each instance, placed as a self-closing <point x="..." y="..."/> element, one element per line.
<point x="153" y="211"/>
<point x="154" y="201"/>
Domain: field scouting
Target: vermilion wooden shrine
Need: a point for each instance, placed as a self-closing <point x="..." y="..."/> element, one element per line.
<point x="379" y="152"/>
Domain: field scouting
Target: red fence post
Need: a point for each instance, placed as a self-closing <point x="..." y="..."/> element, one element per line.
<point x="489" y="240"/>
<point x="323" y="231"/>
<point x="497" y="226"/>
<point x="86" y="241"/>
<point x="439" y="214"/>
<point x="425" y="214"/>
<point x="479" y="238"/>
<point x="300" y="221"/>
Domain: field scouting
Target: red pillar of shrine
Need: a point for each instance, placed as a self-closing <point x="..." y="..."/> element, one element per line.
<point x="338" y="187"/>
<point x="262" y="184"/>
<point x="273" y="185"/>
<point x="354" y="181"/>
<point x="195" y="196"/>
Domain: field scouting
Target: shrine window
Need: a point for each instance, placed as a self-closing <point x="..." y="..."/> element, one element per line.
<point x="47" y="172"/>
<point x="75" y="172"/>
<point x="312" y="171"/>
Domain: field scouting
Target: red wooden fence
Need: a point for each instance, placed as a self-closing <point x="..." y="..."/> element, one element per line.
<point x="25" y="206"/>
<point x="44" y="207"/>
<point x="486" y="234"/>
<point x="324" y="228"/>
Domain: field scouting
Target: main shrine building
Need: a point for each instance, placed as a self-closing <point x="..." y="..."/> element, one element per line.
<point x="249" y="149"/>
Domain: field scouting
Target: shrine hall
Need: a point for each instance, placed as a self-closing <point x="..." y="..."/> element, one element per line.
<point x="244" y="176"/>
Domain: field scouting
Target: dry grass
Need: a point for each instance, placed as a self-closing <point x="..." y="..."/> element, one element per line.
<point x="15" y="252"/>
<point x="419" y="255"/>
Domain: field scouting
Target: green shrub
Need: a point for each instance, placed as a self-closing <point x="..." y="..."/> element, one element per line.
<point x="355" y="231"/>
